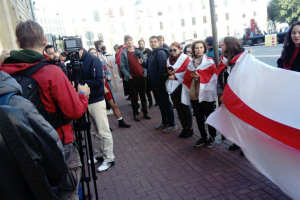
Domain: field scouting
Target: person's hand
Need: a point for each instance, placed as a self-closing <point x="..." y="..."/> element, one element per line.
<point x="172" y="77"/>
<point x="84" y="88"/>
<point x="108" y="78"/>
<point x="130" y="77"/>
<point x="221" y="98"/>
<point x="171" y="72"/>
<point x="144" y="75"/>
<point x="141" y="61"/>
<point x="250" y="51"/>
<point x="194" y="74"/>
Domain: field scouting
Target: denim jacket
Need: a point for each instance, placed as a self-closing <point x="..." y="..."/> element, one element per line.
<point x="125" y="64"/>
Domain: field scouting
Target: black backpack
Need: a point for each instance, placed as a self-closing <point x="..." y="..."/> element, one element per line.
<point x="31" y="92"/>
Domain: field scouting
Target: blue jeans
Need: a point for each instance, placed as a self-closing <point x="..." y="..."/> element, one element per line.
<point x="166" y="109"/>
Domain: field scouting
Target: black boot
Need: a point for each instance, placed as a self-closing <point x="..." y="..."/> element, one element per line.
<point x="182" y="133"/>
<point x="188" y="133"/>
<point x="122" y="124"/>
<point x="233" y="147"/>
<point x="111" y="130"/>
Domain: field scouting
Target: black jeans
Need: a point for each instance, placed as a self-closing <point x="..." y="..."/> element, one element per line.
<point x="148" y="92"/>
<point x="138" y="87"/>
<point x="202" y="111"/>
<point x="166" y="109"/>
<point x="184" y="112"/>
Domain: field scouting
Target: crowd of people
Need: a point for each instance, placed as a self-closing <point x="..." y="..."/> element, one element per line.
<point x="183" y="79"/>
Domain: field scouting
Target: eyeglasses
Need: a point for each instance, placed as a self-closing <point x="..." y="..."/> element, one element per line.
<point x="174" y="50"/>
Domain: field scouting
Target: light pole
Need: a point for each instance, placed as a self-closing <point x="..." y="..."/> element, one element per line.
<point x="214" y="30"/>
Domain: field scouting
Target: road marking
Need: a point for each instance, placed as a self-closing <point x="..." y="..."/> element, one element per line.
<point x="266" y="56"/>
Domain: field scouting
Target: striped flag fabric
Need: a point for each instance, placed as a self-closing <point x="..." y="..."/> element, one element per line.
<point x="261" y="114"/>
<point x="208" y="81"/>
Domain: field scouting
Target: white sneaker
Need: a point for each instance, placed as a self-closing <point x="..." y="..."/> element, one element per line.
<point x="105" y="166"/>
<point x="110" y="112"/>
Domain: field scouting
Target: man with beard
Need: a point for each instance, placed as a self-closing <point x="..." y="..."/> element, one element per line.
<point x="53" y="56"/>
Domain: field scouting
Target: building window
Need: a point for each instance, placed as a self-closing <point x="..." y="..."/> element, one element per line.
<point x="96" y="16"/>
<point x="227" y="30"/>
<point x="50" y="29"/>
<point x="204" y="20"/>
<point x="138" y="14"/>
<point x="122" y="11"/>
<point x="205" y="33"/>
<point x="111" y="13"/>
<point x="161" y="25"/>
<point x="203" y="3"/>
<point x="73" y="20"/>
<point x="124" y="27"/>
<point x="193" y="20"/>
<point x="56" y="22"/>
<point x="242" y="1"/>
<point x="173" y="37"/>
<point x="45" y="21"/>
<point x="149" y="13"/>
<point x="150" y="27"/>
<point x="112" y="29"/>
<point x="100" y="36"/>
<point x="192" y="6"/>
<point x="195" y="35"/>
<point x="183" y="36"/>
<point x="180" y="8"/>
<point x="140" y="28"/>
<point x="254" y="14"/>
<point x="182" y="22"/>
<point x="244" y="15"/>
<point x="83" y="19"/>
<point x="159" y="13"/>
<point x="227" y="16"/>
<point x="225" y="2"/>
<point x="170" y="9"/>
<point x="216" y="17"/>
<point x="171" y="25"/>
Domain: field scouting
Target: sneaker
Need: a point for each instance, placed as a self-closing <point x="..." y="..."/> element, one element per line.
<point x="210" y="143"/>
<point x="200" y="142"/>
<point x="110" y="112"/>
<point x="128" y="98"/>
<point x="170" y="129"/>
<point x="105" y="166"/>
<point x="137" y="118"/>
<point x="188" y="133"/>
<point x="161" y="127"/>
<point x="233" y="147"/>
<point x="150" y="105"/>
<point x="182" y="133"/>
<point x="96" y="159"/>
<point x="122" y="124"/>
<point x="147" y="117"/>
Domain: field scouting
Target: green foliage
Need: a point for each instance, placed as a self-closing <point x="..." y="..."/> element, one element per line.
<point x="284" y="11"/>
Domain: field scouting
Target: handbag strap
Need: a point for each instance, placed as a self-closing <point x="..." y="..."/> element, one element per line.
<point x="34" y="179"/>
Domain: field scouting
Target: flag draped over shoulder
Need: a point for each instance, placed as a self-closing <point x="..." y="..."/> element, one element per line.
<point x="208" y="81"/>
<point x="261" y="114"/>
<point x="180" y="68"/>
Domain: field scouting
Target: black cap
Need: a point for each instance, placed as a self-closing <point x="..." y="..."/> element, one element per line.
<point x="209" y="41"/>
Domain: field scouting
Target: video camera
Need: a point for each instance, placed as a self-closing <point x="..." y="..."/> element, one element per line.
<point x="72" y="44"/>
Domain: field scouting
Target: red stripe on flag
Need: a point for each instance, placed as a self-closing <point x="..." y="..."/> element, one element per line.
<point x="187" y="80"/>
<point x="206" y="74"/>
<point x="183" y="66"/>
<point x="281" y="132"/>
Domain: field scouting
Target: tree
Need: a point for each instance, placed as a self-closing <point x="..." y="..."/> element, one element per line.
<point x="284" y="11"/>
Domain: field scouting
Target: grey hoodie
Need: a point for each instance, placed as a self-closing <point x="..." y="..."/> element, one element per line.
<point x="9" y="84"/>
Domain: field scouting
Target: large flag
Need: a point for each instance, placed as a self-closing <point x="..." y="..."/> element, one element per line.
<point x="208" y="81"/>
<point x="261" y="114"/>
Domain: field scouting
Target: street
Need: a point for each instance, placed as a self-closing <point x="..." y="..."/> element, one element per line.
<point x="265" y="54"/>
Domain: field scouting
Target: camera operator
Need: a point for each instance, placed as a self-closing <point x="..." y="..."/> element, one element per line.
<point x="103" y="140"/>
<point x="56" y="94"/>
<point x="53" y="56"/>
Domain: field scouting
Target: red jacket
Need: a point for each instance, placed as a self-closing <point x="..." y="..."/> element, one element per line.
<point x="56" y="91"/>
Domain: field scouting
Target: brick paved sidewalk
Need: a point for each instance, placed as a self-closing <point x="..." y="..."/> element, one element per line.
<point x="155" y="165"/>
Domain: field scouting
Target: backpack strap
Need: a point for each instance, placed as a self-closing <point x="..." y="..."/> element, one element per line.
<point x="4" y="99"/>
<point x="34" y="179"/>
<point x="31" y="70"/>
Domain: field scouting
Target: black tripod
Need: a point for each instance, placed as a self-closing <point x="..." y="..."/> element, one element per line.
<point x="82" y="127"/>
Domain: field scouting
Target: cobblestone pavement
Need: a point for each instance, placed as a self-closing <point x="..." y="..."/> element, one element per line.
<point x="155" y="165"/>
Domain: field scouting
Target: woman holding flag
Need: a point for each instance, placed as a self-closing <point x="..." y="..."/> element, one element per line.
<point x="199" y="89"/>
<point x="176" y="66"/>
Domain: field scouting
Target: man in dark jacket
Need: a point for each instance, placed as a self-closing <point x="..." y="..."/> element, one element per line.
<point x="53" y="56"/>
<point x="136" y="74"/>
<point x="156" y="68"/>
<point x="162" y="42"/>
<point x="42" y="141"/>
<point x="103" y="140"/>
<point x="56" y="92"/>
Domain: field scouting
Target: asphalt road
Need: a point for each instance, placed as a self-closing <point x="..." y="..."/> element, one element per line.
<point x="265" y="54"/>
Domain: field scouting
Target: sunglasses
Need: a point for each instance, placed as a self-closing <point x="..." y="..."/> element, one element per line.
<point x="174" y="50"/>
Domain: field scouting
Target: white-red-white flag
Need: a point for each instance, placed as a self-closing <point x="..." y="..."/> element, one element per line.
<point x="180" y="68"/>
<point x="261" y="114"/>
<point x="208" y="81"/>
